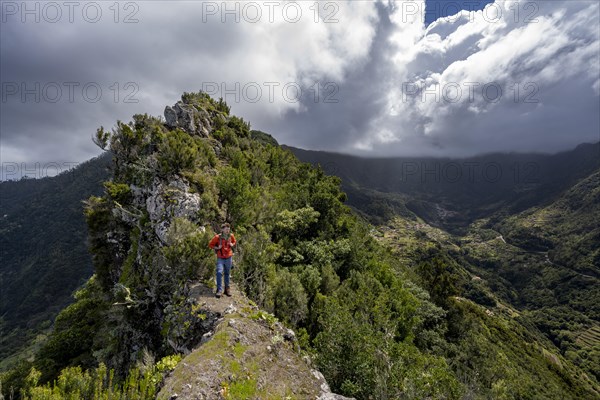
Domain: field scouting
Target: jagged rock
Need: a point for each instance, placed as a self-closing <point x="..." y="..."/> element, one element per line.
<point x="217" y="148"/>
<point x="170" y="117"/>
<point x="161" y="229"/>
<point x="188" y="118"/>
<point x="169" y="201"/>
<point x="326" y="393"/>
<point x="125" y="216"/>
<point x="181" y="116"/>
<point x="289" y="335"/>
<point x="139" y="195"/>
<point x="231" y="309"/>
<point x="333" y="396"/>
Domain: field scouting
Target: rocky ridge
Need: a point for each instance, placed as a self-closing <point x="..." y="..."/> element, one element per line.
<point x="247" y="354"/>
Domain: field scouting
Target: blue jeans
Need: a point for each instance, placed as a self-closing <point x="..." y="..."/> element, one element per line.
<point x="223" y="266"/>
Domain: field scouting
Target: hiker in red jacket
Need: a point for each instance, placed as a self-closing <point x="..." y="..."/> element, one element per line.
<point x="222" y="244"/>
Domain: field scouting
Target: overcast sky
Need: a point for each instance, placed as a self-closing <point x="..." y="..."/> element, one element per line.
<point x="373" y="78"/>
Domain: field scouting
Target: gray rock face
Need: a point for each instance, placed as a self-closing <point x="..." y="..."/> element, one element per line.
<point x="139" y="195"/>
<point x="168" y="201"/>
<point x="171" y="117"/>
<point x="326" y="393"/>
<point x="188" y="118"/>
<point x="333" y="396"/>
<point x="217" y="149"/>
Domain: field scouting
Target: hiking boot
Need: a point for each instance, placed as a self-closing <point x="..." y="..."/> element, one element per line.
<point x="227" y="291"/>
<point x="218" y="294"/>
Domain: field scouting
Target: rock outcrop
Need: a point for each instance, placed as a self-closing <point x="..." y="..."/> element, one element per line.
<point x="168" y="201"/>
<point x="248" y="354"/>
<point x="189" y="118"/>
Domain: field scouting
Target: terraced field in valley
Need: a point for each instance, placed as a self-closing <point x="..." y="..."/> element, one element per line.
<point x="590" y="338"/>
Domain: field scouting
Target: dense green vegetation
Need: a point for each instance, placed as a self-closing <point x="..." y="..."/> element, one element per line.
<point x="303" y="254"/>
<point x="98" y="383"/>
<point x="542" y="263"/>
<point x="492" y="340"/>
<point x="560" y="292"/>
<point x="407" y="311"/>
<point x="42" y="246"/>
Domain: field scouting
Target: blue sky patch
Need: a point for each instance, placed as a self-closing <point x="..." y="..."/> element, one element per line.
<point x="435" y="9"/>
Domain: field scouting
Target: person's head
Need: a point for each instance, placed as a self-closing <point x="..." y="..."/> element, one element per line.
<point x="225" y="228"/>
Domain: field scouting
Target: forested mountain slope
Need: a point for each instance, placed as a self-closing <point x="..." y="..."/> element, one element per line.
<point x="387" y="313"/>
<point x="42" y="246"/>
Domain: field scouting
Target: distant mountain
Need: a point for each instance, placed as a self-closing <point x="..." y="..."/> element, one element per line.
<point x="43" y="248"/>
<point x="568" y="228"/>
<point x="452" y="193"/>
<point x="552" y="262"/>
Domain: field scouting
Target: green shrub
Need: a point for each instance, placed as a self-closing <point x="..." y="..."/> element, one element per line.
<point x="177" y="153"/>
<point x="74" y="383"/>
<point x="291" y="302"/>
<point x="119" y="192"/>
<point x="239" y="126"/>
<point x="72" y="339"/>
<point x="295" y="224"/>
<point x="187" y="251"/>
<point x="235" y="189"/>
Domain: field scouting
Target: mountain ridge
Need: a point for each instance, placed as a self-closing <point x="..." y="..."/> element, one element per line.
<point x="235" y="346"/>
<point x="422" y="317"/>
<point x="461" y="186"/>
<point x="303" y="253"/>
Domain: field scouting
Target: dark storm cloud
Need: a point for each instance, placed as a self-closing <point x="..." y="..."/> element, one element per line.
<point x="342" y="115"/>
<point x="364" y="58"/>
<point x="173" y="47"/>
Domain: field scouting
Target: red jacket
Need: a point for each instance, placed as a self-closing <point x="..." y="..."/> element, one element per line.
<point x="225" y="250"/>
